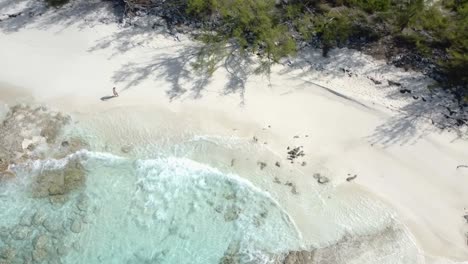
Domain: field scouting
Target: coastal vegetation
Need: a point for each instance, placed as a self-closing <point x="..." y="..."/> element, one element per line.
<point x="431" y="36"/>
<point x="437" y="32"/>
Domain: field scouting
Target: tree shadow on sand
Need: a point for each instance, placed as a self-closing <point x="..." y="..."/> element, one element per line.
<point x="429" y="112"/>
<point x="418" y="110"/>
<point x="438" y="108"/>
<point x="186" y="81"/>
<point x="18" y="14"/>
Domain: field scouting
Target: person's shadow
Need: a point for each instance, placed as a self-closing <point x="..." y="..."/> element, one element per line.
<point x="105" y="98"/>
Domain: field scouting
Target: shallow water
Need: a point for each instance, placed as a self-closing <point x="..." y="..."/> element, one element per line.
<point x="183" y="201"/>
<point x="167" y="210"/>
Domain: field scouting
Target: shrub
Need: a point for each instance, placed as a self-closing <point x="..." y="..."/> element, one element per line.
<point x="249" y="25"/>
<point x="370" y="6"/>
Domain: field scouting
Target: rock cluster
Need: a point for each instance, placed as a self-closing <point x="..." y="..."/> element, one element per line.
<point x="40" y="236"/>
<point x="320" y="179"/>
<point x="295" y="153"/>
<point x="58" y="182"/>
<point x="34" y="133"/>
<point x="30" y="133"/>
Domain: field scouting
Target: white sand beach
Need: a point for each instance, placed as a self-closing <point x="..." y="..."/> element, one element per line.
<point x="347" y="124"/>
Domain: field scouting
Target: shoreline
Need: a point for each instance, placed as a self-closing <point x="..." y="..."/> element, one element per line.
<point x="344" y="136"/>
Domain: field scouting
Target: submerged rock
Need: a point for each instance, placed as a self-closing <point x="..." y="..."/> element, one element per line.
<point x="26" y="220"/>
<point x="41" y="241"/>
<point x="299" y="257"/>
<point x="4" y="232"/>
<point x="39" y="217"/>
<point x="39" y="254"/>
<point x="8" y="253"/>
<point x="58" y="182"/>
<point x="232" y="213"/>
<point x="20" y="233"/>
<point x="76" y="226"/>
<point x="51" y="225"/>
<point x="83" y="202"/>
<point x="53" y="127"/>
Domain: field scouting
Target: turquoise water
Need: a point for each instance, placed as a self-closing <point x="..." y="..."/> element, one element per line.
<point x="166" y="210"/>
<point x="183" y="200"/>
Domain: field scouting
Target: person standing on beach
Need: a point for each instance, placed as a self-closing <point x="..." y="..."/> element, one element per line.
<point x="115" y="92"/>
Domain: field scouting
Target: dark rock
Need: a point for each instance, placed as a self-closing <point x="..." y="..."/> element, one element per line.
<point x="31" y="147"/>
<point x="451" y="112"/>
<point x="294" y="190"/>
<point x="403" y="91"/>
<point x="277" y="164"/>
<point x="460" y="122"/>
<point x="377" y="82"/>
<point x="466" y="218"/>
<point x="321" y="179"/>
<point x="262" y="165"/>
<point x="295" y="153"/>
<point x="393" y="83"/>
<point x="351" y="178"/>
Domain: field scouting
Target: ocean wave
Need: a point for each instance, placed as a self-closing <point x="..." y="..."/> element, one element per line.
<point x="199" y="210"/>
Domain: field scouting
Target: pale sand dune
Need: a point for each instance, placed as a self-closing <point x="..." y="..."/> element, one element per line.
<point x="409" y="163"/>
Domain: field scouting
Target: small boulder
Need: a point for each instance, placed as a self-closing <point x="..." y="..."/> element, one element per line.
<point x="51" y="225"/>
<point x="20" y="233"/>
<point x="321" y="179"/>
<point x="26" y="220"/>
<point x="262" y="165"/>
<point x="126" y="148"/>
<point x="232" y="214"/>
<point x="8" y="253"/>
<point x="76" y="226"/>
<point x="39" y="255"/>
<point x="83" y="202"/>
<point x="39" y="218"/>
<point x="41" y="241"/>
<point x="351" y="178"/>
